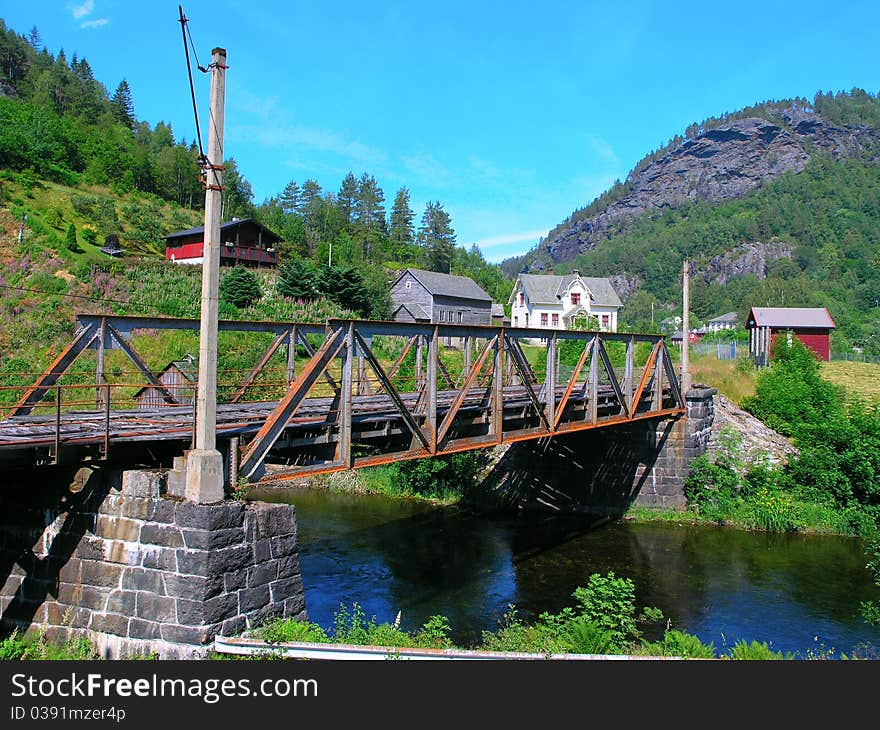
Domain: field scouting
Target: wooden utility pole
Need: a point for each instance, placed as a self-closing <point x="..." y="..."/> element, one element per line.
<point x="204" y="465"/>
<point x="685" y="329"/>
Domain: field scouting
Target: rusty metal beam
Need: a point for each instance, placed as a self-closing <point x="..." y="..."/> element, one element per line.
<point x="560" y="409"/>
<point x="594" y="383"/>
<point x="497" y="413"/>
<point x="392" y="371"/>
<point x="646" y="375"/>
<point x="613" y="378"/>
<point x="393" y="393"/>
<point x="343" y="443"/>
<point x="465" y="387"/>
<point x="550" y="383"/>
<point x="310" y="351"/>
<point x="445" y="373"/>
<point x="673" y="379"/>
<point x="530" y="391"/>
<point x="431" y="391"/>
<point x="81" y="340"/>
<point x="141" y="365"/>
<point x="296" y="394"/>
<point x="258" y="368"/>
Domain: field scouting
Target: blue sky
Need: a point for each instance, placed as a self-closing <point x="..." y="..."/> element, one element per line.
<point x="511" y="114"/>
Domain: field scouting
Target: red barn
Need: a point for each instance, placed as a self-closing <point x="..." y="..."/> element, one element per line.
<point x="811" y="325"/>
<point x="243" y="241"/>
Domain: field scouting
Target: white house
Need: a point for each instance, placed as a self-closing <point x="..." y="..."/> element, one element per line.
<point x="545" y="301"/>
<point x="724" y="322"/>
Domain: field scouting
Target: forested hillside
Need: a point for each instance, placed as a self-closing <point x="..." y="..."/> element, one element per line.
<point x="60" y="125"/>
<point x="776" y="205"/>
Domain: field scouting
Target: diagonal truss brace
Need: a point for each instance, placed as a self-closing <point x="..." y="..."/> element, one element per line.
<point x="81" y="341"/>
<point x="258" y="368"/>
<point x="527" y="380"/>
<point x="392" y="392"/>
<point x="141" y="365"/>
<point x="277" y="421"/>
<point x="465" y="389"/>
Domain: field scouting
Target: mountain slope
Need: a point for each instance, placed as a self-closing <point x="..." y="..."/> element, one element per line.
<point x="720" y="160"/>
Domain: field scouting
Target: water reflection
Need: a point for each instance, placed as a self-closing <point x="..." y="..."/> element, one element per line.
<point x="720" y="584"/>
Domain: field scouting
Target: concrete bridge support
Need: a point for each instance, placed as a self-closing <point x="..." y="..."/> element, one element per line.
<point x="114" y="558"/>
<point x="606" y="470"/>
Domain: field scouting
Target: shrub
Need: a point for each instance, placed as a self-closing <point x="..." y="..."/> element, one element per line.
<point x="440" y="477"/>
<point x="434" y="633"/>
<point x="240" y="288"/>
<point x="587" y="637"/>
<point x="756" y="651"/>
<point x="680" y="644"/>
<point x="12" y="647"/>
<point x="871" y="609"/>
<point x="609" y="602"/>
<point x="773" y="511"/>
<point x="70" y="242"/>
<point x="711" y="487"/>
<point x="279" y="630"/>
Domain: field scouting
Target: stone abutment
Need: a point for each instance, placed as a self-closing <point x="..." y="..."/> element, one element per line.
<point x="112" y="557"/>
<point x="603" y="471"/>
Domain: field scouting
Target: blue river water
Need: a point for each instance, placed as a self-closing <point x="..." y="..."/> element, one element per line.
<point x="799" y="593"/>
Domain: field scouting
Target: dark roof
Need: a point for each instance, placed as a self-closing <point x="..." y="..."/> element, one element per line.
<point x="225" y="227"/>
<point x="729" y="317"/>
<point x="448" y="285"/>
<point x="782" y="317"/>
<point x="548" y="288"/>
<point x="415" y="311"/>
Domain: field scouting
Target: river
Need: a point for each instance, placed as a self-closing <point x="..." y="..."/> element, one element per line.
<point x="799" y="593"/>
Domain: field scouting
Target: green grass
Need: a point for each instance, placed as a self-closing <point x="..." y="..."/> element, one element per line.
<point x="861" y="379"/>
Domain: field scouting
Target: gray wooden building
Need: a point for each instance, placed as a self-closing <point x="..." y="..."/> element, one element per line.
<point x="428" y="296"/>
<point x="179" y="378"/>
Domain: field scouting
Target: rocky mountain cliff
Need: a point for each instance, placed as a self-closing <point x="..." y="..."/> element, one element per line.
<point x="720" y="163"/>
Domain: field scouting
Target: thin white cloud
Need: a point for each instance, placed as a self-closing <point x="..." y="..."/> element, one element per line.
<point x="282" y="136"/>
<point x="602" y="149"/>
<point x="81" y="11"/>
<point x="503" y="240"/>
<point x="427" y="168"/>
<point x="97" y="23"/>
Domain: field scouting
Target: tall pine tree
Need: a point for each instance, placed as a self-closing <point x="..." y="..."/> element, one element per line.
<point x="123" y="105"/>
<point x="402" y="231"/>
<point x="437" y="238"/>
<point x="369" y="214"/>
<point x="347" y="197"/>
<point x="290" y="197"/>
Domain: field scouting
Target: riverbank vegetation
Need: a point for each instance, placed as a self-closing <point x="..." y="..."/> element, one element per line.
<point x="441" y="480"/>
<point x="831" y="485"/>
<point x="604" y="619"/>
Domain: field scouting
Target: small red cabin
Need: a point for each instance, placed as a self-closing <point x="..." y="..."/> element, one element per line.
<point x="243" y="242"/>
<point x="811" y="325"/>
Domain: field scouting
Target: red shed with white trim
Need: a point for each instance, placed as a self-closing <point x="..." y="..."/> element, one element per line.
<point x="811" y="325"/>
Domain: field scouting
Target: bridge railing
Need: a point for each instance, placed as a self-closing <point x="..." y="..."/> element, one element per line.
<point x="351" y="393"/>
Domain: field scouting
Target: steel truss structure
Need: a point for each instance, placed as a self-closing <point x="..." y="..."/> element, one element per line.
<point x="365" y="393"/>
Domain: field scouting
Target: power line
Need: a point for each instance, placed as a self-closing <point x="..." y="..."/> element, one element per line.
<point x="134" y="305"/>
<point x="203" y="160"/>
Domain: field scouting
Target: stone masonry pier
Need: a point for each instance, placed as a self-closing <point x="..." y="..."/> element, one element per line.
<point x="115" y="558"/>
<point x="606" y="470"/>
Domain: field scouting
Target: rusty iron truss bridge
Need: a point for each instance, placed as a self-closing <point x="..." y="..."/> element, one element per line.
<point x="326" y="397"/>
